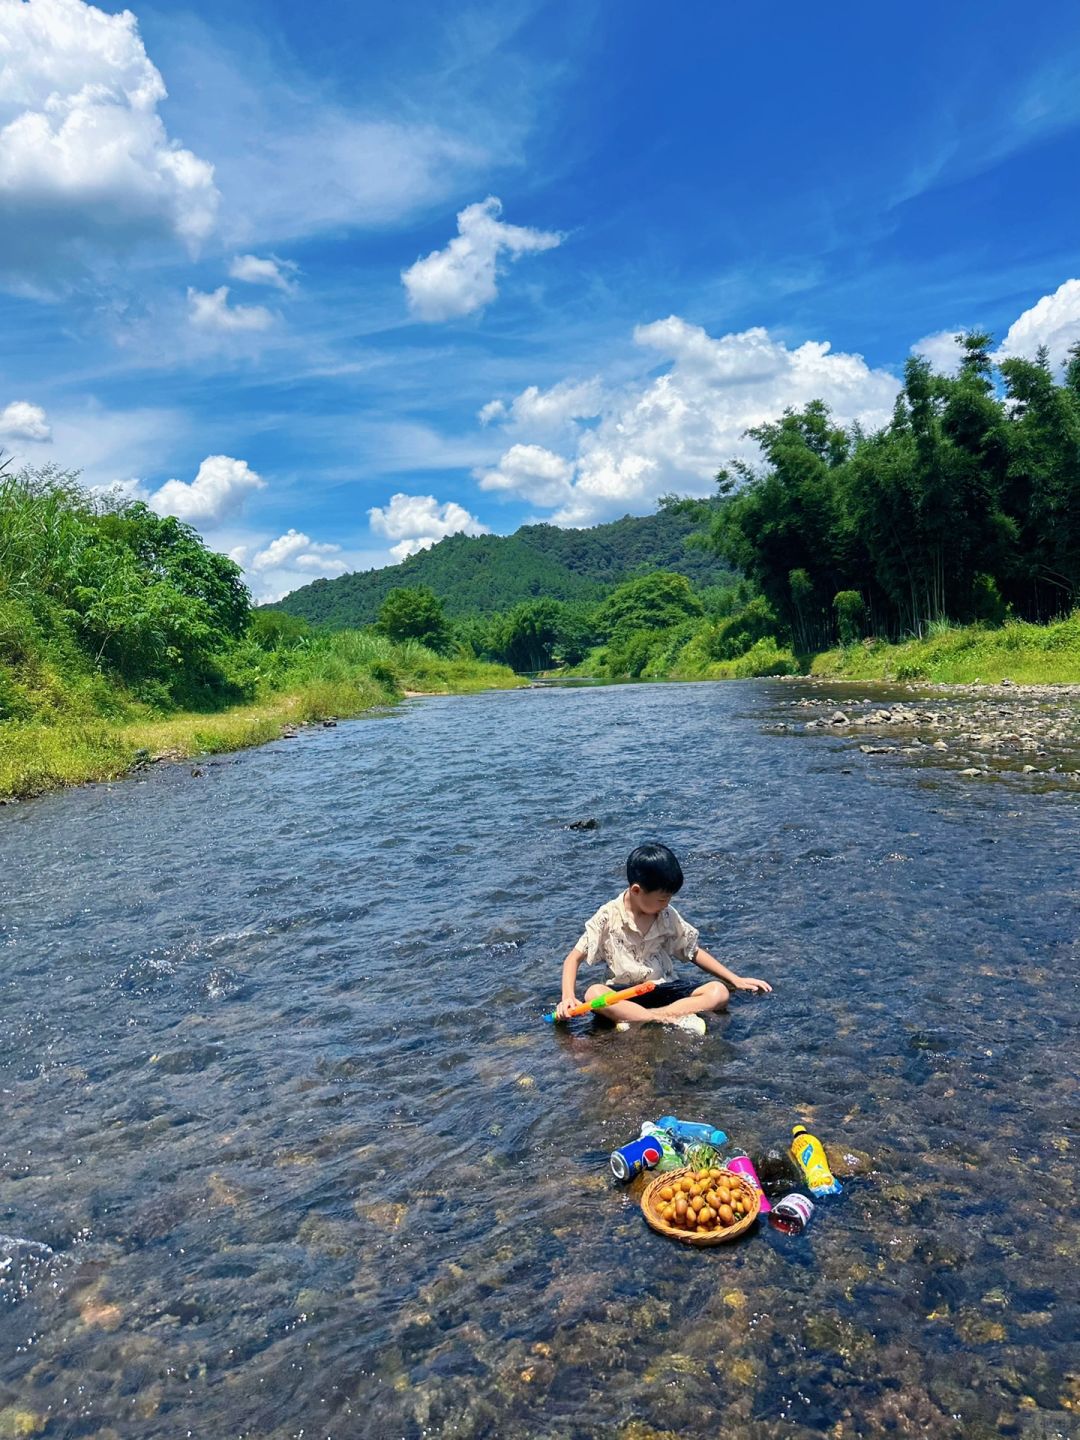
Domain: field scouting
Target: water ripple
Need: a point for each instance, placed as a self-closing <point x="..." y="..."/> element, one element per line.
<point x="277" y="1095"/>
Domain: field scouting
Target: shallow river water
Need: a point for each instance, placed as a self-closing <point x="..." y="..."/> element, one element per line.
<point x="287" y="1151"/>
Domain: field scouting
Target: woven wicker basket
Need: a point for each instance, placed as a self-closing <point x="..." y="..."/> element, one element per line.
<point x="650" y="1200"/>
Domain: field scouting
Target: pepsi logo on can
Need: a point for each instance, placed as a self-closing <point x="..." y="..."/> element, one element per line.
<point x="630" y="1160"/>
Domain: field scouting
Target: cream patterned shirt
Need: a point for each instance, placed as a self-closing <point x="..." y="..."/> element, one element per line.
<point x="612" y="939"/>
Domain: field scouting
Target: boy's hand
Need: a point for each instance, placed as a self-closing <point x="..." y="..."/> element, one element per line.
<point x="564" y="1005"/>
<point x="747" y="982"/>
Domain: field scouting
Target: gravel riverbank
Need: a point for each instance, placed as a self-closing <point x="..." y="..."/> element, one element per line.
<point x="1003" y="730"/>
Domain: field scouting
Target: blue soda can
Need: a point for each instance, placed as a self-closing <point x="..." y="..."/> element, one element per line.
<point x="630" y="1160"/>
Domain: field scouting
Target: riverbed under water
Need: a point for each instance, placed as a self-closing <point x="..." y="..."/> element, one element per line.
<point x="288" y="1152"/>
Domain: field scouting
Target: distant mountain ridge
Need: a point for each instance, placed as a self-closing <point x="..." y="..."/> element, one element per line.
<point x="483" y="574"/>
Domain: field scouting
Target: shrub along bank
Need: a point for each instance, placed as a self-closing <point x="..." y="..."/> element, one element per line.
<point x="123" y="637"/>
<point x="657" y="627"/>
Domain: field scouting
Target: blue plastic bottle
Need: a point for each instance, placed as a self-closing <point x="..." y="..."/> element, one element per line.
<point x="690" y="1132"/>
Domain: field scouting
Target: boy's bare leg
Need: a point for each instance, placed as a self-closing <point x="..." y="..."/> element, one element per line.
<point x="711" y="996"/>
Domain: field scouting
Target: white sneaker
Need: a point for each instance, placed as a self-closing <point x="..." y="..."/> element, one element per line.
<point x="693" y="1023"/>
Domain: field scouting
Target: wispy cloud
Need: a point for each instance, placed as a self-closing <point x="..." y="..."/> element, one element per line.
<point x="294" y="160"/>
<point x="986" y="122"/>
<point x="212" y="312"/>
<point x="265" y="270"/>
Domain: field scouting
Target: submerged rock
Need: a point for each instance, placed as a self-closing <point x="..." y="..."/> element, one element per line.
<point x="187" y="1062"/>
<point x="22" y="1264"/>
<point x="19" y="1424"/>
<point x="845" y="1161"/>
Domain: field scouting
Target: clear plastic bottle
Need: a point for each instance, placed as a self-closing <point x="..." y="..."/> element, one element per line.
<point x="692" y="1132"/>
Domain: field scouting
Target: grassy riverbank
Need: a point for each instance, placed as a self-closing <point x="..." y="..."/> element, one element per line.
<point x="125" y="639"/>
<point x="344" y="676"/>
<point x="1028" y="654"/>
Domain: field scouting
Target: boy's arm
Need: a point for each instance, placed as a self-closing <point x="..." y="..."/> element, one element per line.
<point x="709" y="963"/>
<point x="569" y="982"/>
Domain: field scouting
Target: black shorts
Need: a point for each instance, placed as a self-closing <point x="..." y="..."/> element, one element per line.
<point x="662" y="995"/>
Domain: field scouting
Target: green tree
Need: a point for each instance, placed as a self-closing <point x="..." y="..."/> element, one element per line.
<point x="1042" y="488"/>
<point x="737" y="633"/>
<point x="786" y="520"/>
<point x="850" y="610"/>
<point x="135" y="593"/>
<point x="576" y="634"/>
<point x="278" y="630"/>
<point x="415" y="614"/>
<point x="176" y="554"/>
<point x="528" y="635"/>
<point x="652" y="602"/>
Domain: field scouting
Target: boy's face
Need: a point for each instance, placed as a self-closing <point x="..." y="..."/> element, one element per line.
<point x="650" y="902"/>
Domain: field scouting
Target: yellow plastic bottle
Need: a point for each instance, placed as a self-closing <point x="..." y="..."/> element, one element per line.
<point x="809" y="1154"/>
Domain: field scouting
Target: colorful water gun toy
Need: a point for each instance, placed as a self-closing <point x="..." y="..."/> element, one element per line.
<point x="602" y="1000"/>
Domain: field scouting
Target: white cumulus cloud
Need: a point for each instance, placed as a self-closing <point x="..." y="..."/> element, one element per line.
<point x="547" y="410"/>
<point x="942" y="349"/>
<point x="404" y="548"/>
<point x="460" y="279"/>
<point x="492" y="411"/>
<point x="265" y="270"/>
<point x="86" y="164"/>
<point x="417" y="522"/>
<point x="211" y="311"/>
<point x="22" y="421"/>
<point x="220" y="488"/>
<point x="1053" y="321"/>
<point x="674" y="431"/>
<point x="295" y="550"/>
<point x="276" y="567"/>
<point x="533" y="473"/>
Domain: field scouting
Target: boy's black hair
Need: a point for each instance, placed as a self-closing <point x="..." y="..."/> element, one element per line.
<point x="654" y="867"/>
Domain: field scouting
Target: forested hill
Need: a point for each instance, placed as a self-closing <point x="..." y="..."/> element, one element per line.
<point x="484" y="574"/>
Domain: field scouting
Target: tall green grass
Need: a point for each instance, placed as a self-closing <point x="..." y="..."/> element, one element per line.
<point x="1028" y="654"/>
<point x="76" y="728"/>
<point x="124" y="637"/>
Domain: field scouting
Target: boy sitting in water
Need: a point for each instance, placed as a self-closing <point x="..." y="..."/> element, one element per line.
<point x="638" y="937"/>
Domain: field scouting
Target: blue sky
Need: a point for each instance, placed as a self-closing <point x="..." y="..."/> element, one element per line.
<point x="367" y="275"/>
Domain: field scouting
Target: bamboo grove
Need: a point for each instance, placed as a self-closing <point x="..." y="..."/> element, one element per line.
<point x="965" y="507"/>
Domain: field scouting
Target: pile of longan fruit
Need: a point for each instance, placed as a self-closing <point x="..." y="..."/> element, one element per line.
<point x="703" y="1201"/>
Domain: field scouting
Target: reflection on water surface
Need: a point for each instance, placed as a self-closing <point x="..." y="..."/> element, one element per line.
<point x="278" y="1102"/>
